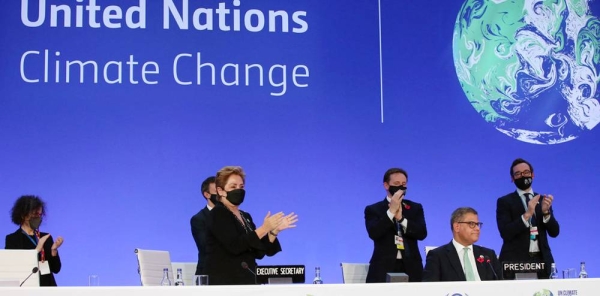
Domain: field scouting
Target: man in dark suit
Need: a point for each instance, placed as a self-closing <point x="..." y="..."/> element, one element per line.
<point x="395" y="225"/>
<point x="198" y="221"/>
<point x="525" y="220"/>
<point x="461" y="260"/>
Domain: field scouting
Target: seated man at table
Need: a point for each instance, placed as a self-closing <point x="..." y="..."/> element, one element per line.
<point x="461" y="260"/>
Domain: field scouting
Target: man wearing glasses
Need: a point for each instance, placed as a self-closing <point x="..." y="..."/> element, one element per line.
<point x="525" y="220"/>
<point x="461" y="259"/>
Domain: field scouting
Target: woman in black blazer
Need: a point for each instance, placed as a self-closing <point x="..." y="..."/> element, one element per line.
<point x="233" y="241"/>
<point x="28" y="212"/>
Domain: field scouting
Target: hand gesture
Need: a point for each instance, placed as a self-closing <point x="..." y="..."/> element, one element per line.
<point x="57" y="243"/>
<point x="396" y="201"/>
<point x="531" y="205"/>
<point x="288" y="221"/>
<point x="41" y="242"/>
<point x="398" y="214"/>
<point x="272" y="221"/>
<point x="546" y="203"/>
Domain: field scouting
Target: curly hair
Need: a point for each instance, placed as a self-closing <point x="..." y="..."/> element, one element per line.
<point x="24" y="206"/>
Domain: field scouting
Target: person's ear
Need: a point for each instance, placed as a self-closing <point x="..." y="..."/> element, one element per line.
<point x="221" y="192"/>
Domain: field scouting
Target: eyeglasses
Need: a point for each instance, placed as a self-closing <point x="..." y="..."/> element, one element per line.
<point x="472" y="224"/>
<point x="523" y="173"/>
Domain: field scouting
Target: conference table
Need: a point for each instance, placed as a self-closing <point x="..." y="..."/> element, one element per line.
<point x="561" y="287"/>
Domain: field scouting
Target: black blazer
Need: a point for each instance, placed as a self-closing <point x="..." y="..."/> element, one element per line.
<point x="382" y="230"/>
<point x="515" y="235"/>
<point x="228" y="244"/>
<point x="20" y="241"/>
<point x="443" y="264"/>
<point x="199" y="230"/>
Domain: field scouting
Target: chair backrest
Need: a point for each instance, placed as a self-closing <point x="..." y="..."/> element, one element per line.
<point x="429" y="248"/>
<point x="16" y="265"/>
<point x="188" y="269"/>
<point x="151" y="264"/>
<point x="354" y="273"/>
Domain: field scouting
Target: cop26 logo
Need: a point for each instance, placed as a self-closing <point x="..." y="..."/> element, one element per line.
<point x="531" y="68"/>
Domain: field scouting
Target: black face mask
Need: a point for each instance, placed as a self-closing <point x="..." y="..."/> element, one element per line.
<point x="523" y="182"/>
<point x="35" y="222"/>
<point x="236" y="196"/>
<point x="394" y="189"/>
<point x="214" y="199"/>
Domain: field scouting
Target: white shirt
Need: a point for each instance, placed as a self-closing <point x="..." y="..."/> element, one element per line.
<point x="460" y="250"/>
<point x="209" y="207"/>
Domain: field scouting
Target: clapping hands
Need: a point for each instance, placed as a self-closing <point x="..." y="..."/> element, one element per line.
<point x="279" y="222"/>
<point x="41" y="242"/>
<point x="59" y="241"/>
<point x="288" y="221"/>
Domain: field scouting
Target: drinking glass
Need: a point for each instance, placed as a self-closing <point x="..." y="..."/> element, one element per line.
<point x="93" y="280"/>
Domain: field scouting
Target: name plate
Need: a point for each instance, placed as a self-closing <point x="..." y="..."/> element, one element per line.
<point x="266" y="272"/>
<point x="512" y="268"/>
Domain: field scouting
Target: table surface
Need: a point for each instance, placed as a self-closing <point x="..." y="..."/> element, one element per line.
<point x="562" y="287"/>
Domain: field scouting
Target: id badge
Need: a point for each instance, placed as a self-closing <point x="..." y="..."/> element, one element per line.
<point x="399" y="242"/>
<point x="44" y="267"/>
<point x="533" y="232"/>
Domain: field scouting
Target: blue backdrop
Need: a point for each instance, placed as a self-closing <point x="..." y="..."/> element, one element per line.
<point x="342" y="99"/>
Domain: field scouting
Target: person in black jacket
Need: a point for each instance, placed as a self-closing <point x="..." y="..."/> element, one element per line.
<point x="198" y="221"/>
<point x="234" y="242"/>
<point x="461" y="259"/>
<point x="27" y="213"/>
<point x="525" y="220"/>
<point x="395" y="225"/>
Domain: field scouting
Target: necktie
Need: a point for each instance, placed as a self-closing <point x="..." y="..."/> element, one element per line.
<point x="468" y="267"/>
<point x="532" y="221"/>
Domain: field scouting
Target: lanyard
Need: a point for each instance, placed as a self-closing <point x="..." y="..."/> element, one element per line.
<point x="247" y="225"/>
<point x="398" y="227"/>
<point x="35" y="242"/>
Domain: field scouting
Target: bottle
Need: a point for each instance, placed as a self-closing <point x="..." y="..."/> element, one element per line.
<point x="317" y="280"/>
<point x="165" y="280"/>
<point x="582" y="272"/>
<point x="553" y="272"/>
<point x="179" y="280"/>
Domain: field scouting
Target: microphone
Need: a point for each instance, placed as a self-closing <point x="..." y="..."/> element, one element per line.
<point x="245" y="266"/>
<point x="34" y="270"/>
<point x="489" y="262"/>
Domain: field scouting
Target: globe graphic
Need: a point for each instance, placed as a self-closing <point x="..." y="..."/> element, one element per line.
<point x="543" y="292"/>
<point x="531" y="68"/>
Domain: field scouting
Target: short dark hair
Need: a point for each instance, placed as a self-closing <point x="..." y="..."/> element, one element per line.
<point x="459" y="213"/>
<point x="206" y="184"/>
<point x="519" y="161"/>
<point x="24" y="206"/>
<point x="390" y="172"/>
